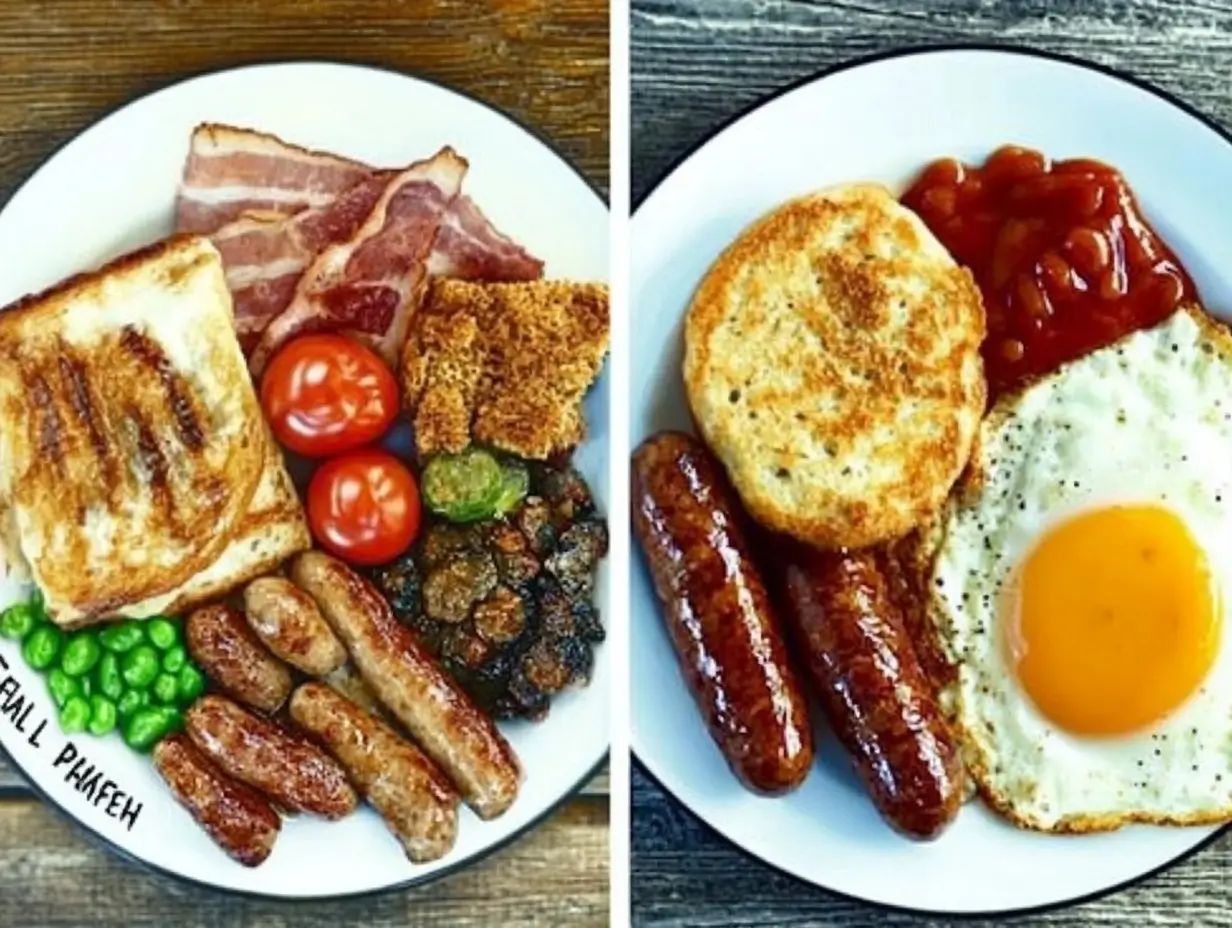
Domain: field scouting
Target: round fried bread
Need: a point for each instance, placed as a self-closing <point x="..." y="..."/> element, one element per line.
<point x="832" y="363"/>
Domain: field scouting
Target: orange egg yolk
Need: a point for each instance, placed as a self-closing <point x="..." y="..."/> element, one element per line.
<point x="1114" y="620"/>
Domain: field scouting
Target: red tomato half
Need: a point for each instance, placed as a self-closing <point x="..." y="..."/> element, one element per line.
<point x="364" y="507"/>
<point x="323" y="394"/>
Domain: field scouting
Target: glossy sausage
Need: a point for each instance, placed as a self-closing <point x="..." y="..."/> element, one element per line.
<point x="296" y="775"/>
<point x="222" y="644"/>
<point x="238" y="818"/>
<point x="288" y="621"/>
<point x="414" y="798"/>
<point x="718" y="613"/>
<point x="453" y="731"/>
<point x="875" y="695"/>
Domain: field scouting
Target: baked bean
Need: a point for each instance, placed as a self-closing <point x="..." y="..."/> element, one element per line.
<point x="1064" y="258"/>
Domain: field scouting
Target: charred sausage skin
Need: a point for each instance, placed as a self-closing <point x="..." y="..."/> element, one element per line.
<point x="238" y="818"/>
<point x="718" y="613"/>
<point x="875" y="695"/>
<point x="222" y="644"/>
<point x="298" y="776"/>
<point x="416" y="801"/>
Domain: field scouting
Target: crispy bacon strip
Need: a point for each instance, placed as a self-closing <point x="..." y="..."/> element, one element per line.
<point x="233" y="172"/>
<point x="370" y="285"/>
<point x="265" y="256"/>
<point x="230" y="172"/>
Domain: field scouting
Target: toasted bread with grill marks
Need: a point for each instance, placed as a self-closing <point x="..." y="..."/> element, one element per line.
<point x="505" y="365"/>
<point x="131" y="441"/>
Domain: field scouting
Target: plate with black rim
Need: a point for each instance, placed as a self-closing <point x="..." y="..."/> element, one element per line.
<point x="112" y="189"/>
<point x="883" y="120"/>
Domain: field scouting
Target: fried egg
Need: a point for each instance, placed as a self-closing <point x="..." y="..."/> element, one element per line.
<point x="1079" y="584"/>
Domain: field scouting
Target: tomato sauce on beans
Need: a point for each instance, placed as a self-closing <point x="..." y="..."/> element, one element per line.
<point x="1063" y="256"/>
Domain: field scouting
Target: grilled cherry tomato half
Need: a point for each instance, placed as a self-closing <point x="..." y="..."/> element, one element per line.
<point x="324" y="394"/>
<point x="364" y="507"/>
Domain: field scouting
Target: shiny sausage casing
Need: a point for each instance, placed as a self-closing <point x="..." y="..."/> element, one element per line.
<point x="871" y="686"/>
<point x="417" y="802"/>
<point x="222" y="644"/>
<point x="238" y="818"/>
<point x="288" y="621"/>
<point x="296" y="775"/>
<point x="451" y="729"/>
<point x="719" y="616"/>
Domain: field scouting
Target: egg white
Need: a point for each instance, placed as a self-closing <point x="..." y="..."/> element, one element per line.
<point x="1147" y="420"/>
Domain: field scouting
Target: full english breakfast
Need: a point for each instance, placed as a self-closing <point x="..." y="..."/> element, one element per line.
<point x="205" y="492"/>
<point x="944" y="487"/>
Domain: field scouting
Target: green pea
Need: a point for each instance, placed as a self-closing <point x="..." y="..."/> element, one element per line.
<point x="18" y="620"/>
<point x="36" y="603"/>
<point x="175" y="659"/>
<point x="139" y="666"/>
<point x="75" y="715"/>
<point x="107" y="679"/>
<point x="165" y="688"/>
<point x="102" y="715"/>
<point x="146" y="726"/>
<point x="80" y="655"/>
<point x="162" y="633"/>
<point x="130" y="701"/>
<point x="192" y="684"/>
<point x="42" y="646"/>
<point x="121" y="638"/>
<point x="87" y="686"/>
<point x="62" y="687"/>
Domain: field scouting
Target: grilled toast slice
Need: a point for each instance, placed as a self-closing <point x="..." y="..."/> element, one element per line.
<point x="131" y="442"/>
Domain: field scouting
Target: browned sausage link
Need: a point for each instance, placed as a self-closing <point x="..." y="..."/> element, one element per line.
<point x="221" y="642"/>
<point x="236" y="817"/>
<point x="290" y="624"/>
<point x="295" y="774"/>
<point x="445" y="722"/>
<point x="417" y="803"/>
<point x="690" y="526"/>
<point x="875" y="695"/>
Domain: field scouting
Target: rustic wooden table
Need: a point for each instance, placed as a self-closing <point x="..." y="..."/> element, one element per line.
<point x="695" y="64"/>
<point x="63" y="64"/>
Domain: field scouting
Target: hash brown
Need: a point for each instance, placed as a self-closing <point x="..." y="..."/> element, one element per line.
<point x="832" y="363"/>
<point x="504" y="365"/>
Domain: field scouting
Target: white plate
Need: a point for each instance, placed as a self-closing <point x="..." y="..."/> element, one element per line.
<point x="111" y="189"/>
<point x="884" y="120"/>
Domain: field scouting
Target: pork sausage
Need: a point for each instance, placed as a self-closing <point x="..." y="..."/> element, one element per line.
<point x="417" y="802"/>
<point x="288" y="621"/>
<point x="718" y="613"/>
<point x="238" y="818"/>
<point x="453" y="731"/>
<point x="225" y="648"/>
<point x="296" y="775"/>
<point x="875" y="695"/>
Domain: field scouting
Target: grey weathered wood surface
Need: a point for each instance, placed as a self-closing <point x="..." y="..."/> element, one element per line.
<point x="695" y="64"/>
<point x="65" y="63"/>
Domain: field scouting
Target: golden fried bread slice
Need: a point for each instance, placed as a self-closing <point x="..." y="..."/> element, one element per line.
<point x="832" y="363"/>
<point x="504" y="365"/>
<point x="131" y="441"/>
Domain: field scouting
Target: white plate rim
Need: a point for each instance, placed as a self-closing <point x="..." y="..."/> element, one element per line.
<point x="97" y="838"/>
<point x="679" y="162"/>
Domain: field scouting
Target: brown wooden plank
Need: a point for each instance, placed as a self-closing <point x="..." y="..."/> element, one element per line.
<point x="51" y="875"/>
<point x="695" y="63"/>
<point x="65" y="63"/>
